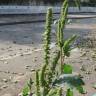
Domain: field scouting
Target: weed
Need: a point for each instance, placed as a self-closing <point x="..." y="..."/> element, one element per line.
<point x="49" y="81"/>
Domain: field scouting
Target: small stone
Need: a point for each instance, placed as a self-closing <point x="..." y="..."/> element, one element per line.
<point x="7" y="71"/>
<point x="85" y="91"/>
<point x="87" y="51"/>
<point x="83" y="54"/>
<point x="94" y="86"/>
<point x="15" y="81"/>
<point x="35" y="57"/>
<point x="35" y="60"/>
<point x="20" y="49"/>
<point x="32" y="70"/>
<point x="81" y="76"/>
<point x="20" y="94"/>
<point x="93" y="55"/>
<point x="5" y="80"/>
<point x="14" y="73"/>
<point x="28" y="49"/>
<point x="27" y="66"/>
<point x="10" y="77"/>
<point x="2" y="49"/>
<point x="32" y="42"/>
<point x="88" y="72"/>
<point x="10" y="54"/>
<point x="5" y="62"/>
<point x="20" y="74"/>
<point x="82" y="68"/>
<point x="10" y="47"/>
<point x="21" y="54"/>
<point x="94" y="69"/>
<point x="5" y="86"/>
<point x="35" y="48"/>
<point x="14" y="42"/>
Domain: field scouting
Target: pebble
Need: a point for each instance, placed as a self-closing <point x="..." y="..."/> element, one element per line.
<point x="15" y="81"/>
<point x="32" y="42"/>
<point x="20" y="94"/>
<point x="14" y="73"/>
<point x="35" y="48"/>
<point x="81" y="76"/>
<point x="21" y="54"/>
<point x="94" y="69"/>
<point x="4" y="86"/>
<point x="10" y="47"/>
<point x="82" y="68"/>
<point x="32" y="70"/>
<point x="28" y="49"/>
<point x="20" y="49"/>
<point x="83" y="54"/>
<point x="5" y="80"/>
<point x="5" y="62"/>
<point x="88" y="72"/>
<point x="27" y="66"/>
<point x="94" y="86"/>
<point x="35" y="57"/>
<point x="14" y="42"/>
<point x="35" y="60"/>
<point x="2" y="49"/>
<point x="20" y="74"/>
<point x="94" y="56"/>
<point x="10" y="77"/>
<point x="7" y="71"/>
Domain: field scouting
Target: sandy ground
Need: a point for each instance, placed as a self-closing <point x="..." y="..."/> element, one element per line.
<point x="21" y="53"/>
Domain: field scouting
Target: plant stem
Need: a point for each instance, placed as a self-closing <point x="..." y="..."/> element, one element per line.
<point x="61" y="59"/>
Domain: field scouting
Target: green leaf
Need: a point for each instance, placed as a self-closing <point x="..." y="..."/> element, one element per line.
<point x="81" y="90"/>
<point x="67" y="69"/>
<point x="69" y="92"/>
<point x="55" y="61"/>
<point x="70" y="80"/>
<point x="55" y="92"/>
<point x="25" y="91"/>
<point x="30" y="83"/>
<point x="67" y="45"/>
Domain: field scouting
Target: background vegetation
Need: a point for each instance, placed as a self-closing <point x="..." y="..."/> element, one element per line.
<point x="38" y="2"/>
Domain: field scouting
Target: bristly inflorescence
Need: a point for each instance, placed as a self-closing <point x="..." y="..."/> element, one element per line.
<point x="47" y="41"/>
<point x="49" y="75"/>
<point x="47" y="36"/>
